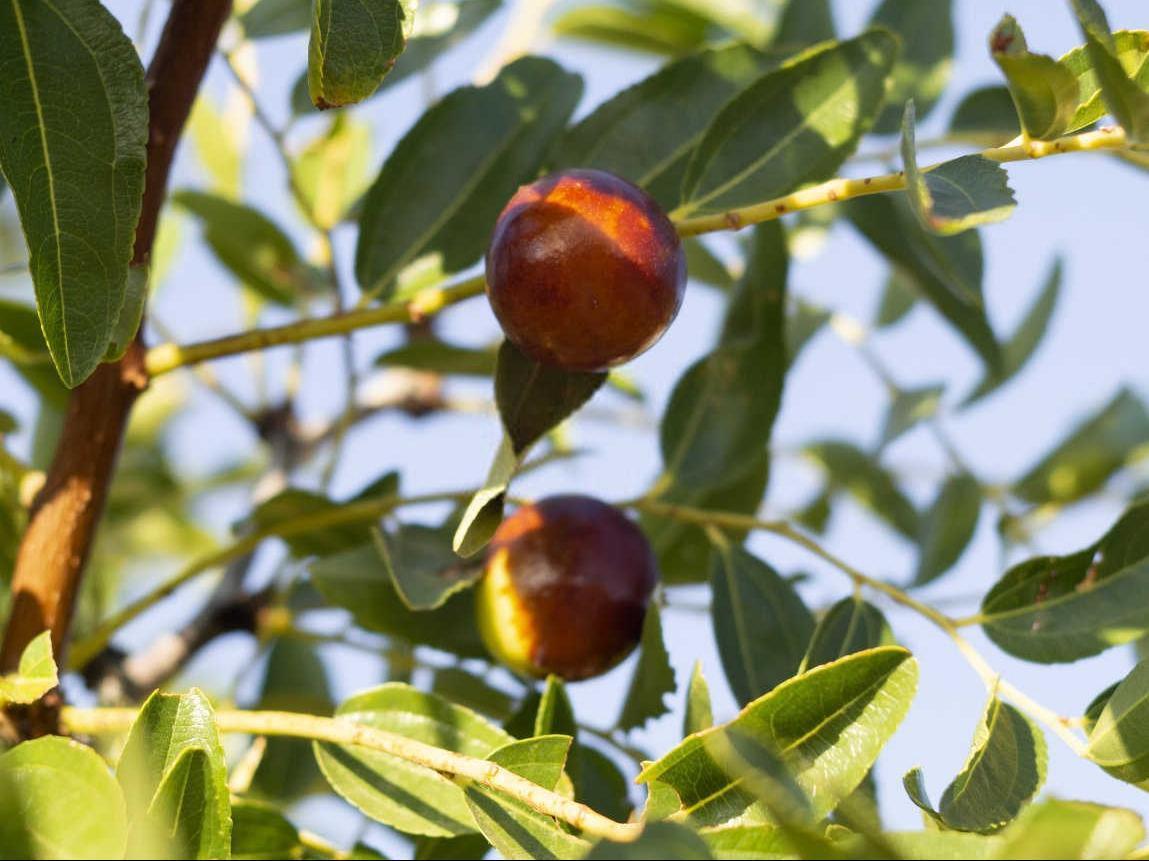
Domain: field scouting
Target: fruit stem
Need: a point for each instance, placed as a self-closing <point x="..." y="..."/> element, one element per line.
<point x="96" y="721"/>
<point x="842" y="188"/>
<point x="167" y="357"/>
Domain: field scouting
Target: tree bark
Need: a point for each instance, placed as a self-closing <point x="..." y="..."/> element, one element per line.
<point x="65" y="514"/>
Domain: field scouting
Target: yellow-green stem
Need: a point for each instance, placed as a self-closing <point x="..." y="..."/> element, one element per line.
<point x="164" y="358"/>
<point x="839" y="189"/>
<point x="97" y="721"/>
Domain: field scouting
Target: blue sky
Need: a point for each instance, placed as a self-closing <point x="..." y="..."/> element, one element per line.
<point x="1087" y="208"/>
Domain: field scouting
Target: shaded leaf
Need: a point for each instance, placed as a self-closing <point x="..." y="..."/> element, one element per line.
<point x="1053" y="609"/>
<point x="987" y="113"/>
<point x="898" y="299"/>
<point x="1023" y="343"/>
<point x="794" y="125"/>
<point x="698" y="714"/>
<point x="72" y="146"/>
<point x="441" y="358"/>
<point x="357" y="580"/>
<point x="653" y="676"/>
<point x="260" y="831"/>
<point x="424" y="569"/>
<point x="923" y="68"/>
<point x="804" y="22"/>
<point x="292" y="503"/>
<point x="648" y="131"/>
<point x="850" y="469"/>
<point x="484" y="512"/>
<point x="1004" y="771"/>
<point x="1085" y="459"/>
<point x="658" y="840"/>
<point x="59" y="801"/>
<point x="251" y="246"/>
<point x="945" y="270"/>
<point x="266" y="18"/>
<point x="851" y="625"/>
<point x="354" y="44"/>
<point x="948" y="527"/>
<point x="760" y="623"/>
<point x="1043" y="90"/>
<point x="406" y="796"/>
<point x="1118" y="741"/>
<point x="956" y="195"/>
<point x="465" y="689"/>
<point x="425" y="207"/>
<point x="908" y="408"/>
<point x="853" y="705"/>
<point x="659" y="30"/>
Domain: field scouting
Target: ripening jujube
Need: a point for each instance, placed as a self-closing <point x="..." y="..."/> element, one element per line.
<point x="565" y="589"/>
<point x="584" y="271"/>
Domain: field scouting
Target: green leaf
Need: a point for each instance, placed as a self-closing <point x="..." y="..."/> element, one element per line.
<point x="35" y="675"/>
<point x="794" y="125"/>
<point x="440" y="357"/>
<point x="358" y="580"/>
<point x="850" y="469"/>
<point x="748" y="841"/>
<point x="438" y="28"/>
<point x="292" y="503"/>
<point x="424" y="569"/>
<point x="986" y="114"/>
<point x="704" y="266"/>
<point x="851" y="625"/>
<point x="275" y="18"/>
<point x="1023" y="343"/>
<point x="1118" y="741"/>
<point x="512" y="827"/>
<point x="465" y="689"/>
<point x="829" y="724"/>
<point x="354" y="44"/>
<point x="72" y="146"/>
<point x="1126" y="100"/>
<point x="1072" y="829"/>
<point x="295" y="679"/>
<point x="260" y="831"/>
<point x="659" y="30"/>
<point x="1004" y="771"/>
<point x="131" y="314"/>
<point x="914" y="783"/>
<point x="439" y="211"/>
<point x="931" y="845"/>
<point x="804" y="22"/>
<point x="473" y="846"/>
<point x="948" y="527"/>
<point x="533" y="397"/>
<point x="484" y="512"/>
<point x="722" y="410"/>
<point x="219" y="147"/>
<point x="406" y="796"/>
<point x="22" y="343"/>
<point x="653" y="676"/>
<point x="908" y="408"/>
<point x="1085" y="459"/>
<point x="1053" y="609"/>
<point x="331" y="172"/>
<point x="1096" y="707"/>
<point x="173" y="771"/>
<point x="760" y="623"/>
<point x="1043" y="90"/>
<point x="648" y="131"/>
<point x="945" y="270"/>
<point x="1132" y="49"/>
<point x="658" y="840"/>
<point x="683" y="550"/>
<point x="956" y="195"/>
<point x="926" y="31"/>
<point x="555" y="714"/>
<point x="59" y="801"/>
<point x="251" y="246"/>
<point x="698" y="714"/>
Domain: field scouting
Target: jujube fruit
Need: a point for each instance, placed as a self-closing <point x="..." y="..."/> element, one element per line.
<point x="565" y="588"/>
<point x="584" y="271"/>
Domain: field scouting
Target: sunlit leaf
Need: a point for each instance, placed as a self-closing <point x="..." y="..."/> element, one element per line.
<point x="1043" y="90"/>
<point x="923" y="69"/>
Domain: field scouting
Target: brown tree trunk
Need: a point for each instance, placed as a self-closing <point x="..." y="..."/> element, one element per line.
<point x="67" y="510"/>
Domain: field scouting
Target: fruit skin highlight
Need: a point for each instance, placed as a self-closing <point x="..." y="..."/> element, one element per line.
<point x="584" y="270"/>
<point x="565" y="590"/>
